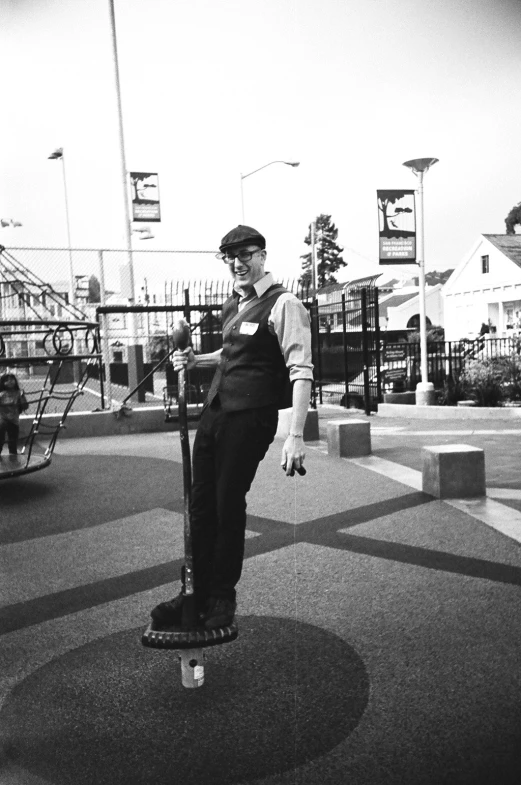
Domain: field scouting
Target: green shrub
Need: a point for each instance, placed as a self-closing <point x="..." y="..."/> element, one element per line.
<point x="434" y="333"/>
<point x="483" y="381"/>
<point x="509" y="368"/>
<point x="450" y="393"/>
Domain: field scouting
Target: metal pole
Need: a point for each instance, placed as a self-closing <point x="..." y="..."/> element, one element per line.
<point x="365" y="352"/>
<point x="72" y="282"/>
<point x="313" y="259"/>
<point x="425" y="395"/>
<point x="105" y="337"/>
<point x="315" y="320"/>
<point x="376" y="313"/>
<point x="123" y="165"/>
<point x="135" y="356"/>
<point x="421" y="263"/>
<point x="344" y="346"/>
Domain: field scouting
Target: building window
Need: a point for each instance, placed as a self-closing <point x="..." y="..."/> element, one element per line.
<point x="485" y="267"/>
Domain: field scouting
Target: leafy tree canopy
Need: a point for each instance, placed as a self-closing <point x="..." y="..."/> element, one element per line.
<point x="438" y="276"/>
<point x="328" y="253"/>
<point x="94" y="290"/>
<point x="513" y="219"/>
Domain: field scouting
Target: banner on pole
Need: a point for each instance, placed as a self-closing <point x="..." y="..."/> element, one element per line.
<point x="397" y="227"/>
<point x="145" y="196"/>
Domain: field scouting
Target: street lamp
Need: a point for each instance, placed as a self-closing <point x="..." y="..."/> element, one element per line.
<point x="4" y="223"/>
<point x="135" y="350"/>
<point x="244" y="176"/>
<point x="58" y="155"/>
<point x="144" y="232"/>
<point x="425" y="389"/>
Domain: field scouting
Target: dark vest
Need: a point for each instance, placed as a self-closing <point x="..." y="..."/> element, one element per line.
<point x="252" y="371"/>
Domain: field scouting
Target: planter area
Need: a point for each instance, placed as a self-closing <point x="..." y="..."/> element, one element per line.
<point x="407" y="411"/>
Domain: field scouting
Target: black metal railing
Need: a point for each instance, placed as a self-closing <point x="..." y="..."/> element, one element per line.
<point x="446" y="360"/>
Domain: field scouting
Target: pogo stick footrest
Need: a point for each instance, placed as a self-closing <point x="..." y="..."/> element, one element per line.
<point x="198" y="638"/>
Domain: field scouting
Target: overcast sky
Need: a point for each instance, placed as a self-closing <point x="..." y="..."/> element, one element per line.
<point x="212" y="89"/>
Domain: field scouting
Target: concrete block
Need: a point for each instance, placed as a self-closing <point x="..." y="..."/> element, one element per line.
<point x="402" y="397"/>
<point x="453" y="471"/>
<point x="311" y="433"/>
<point x="348" y="438"/>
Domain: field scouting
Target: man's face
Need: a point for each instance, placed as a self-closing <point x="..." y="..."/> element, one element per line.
<point x="246" y="263"/>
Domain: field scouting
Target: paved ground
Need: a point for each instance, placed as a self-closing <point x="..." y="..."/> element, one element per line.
<point x="380" y="630"/>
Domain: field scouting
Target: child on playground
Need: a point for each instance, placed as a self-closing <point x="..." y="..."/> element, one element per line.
<point x="12" y="403"/>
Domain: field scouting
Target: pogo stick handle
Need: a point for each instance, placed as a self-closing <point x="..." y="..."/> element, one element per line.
<point x="181" y="334"/>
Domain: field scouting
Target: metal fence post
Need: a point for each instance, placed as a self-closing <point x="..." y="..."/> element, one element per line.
<point x="187" y="306"/>
<point x="376" y="316"/>
<point x="105" y="338"/>
<point x="365" y="352"/>
<point x="344" y="345"/>
<point x="315" y="321"/>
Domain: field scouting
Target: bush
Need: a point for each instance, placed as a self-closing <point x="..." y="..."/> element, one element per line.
<point x="450" y="393"/>
<point x="509" y="368"/>
<point x="483" y="381"/>
<point x="488" y="382"/>
<point x="434" y="333"/>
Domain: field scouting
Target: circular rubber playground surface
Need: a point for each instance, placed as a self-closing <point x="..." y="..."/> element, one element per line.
<point x="79" y="491"/>
<point x="114" y="713"/>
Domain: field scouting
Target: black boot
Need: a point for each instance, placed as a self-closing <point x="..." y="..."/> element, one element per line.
<point x="181" y="611"/>
<point x="221" y="613"/>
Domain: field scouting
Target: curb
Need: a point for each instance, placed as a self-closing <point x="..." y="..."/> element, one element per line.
<point x="412" y="412"/>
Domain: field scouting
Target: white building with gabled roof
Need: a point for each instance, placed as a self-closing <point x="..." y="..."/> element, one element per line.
<point x="485" y="288"/>
<point x="401" y="309"/>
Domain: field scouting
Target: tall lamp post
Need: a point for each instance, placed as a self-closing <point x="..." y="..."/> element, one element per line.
<point x="244" y="176"/>
<point x="135" y="350"/>
<point x="425" y="390"/>
<point x="58" y="155"/>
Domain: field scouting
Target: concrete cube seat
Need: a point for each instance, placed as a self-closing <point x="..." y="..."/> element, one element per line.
<point x="348" y="438"/>
<point x="453" y="471"/>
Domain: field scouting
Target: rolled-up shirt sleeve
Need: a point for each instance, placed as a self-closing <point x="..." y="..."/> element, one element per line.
<point x="289" y="321"/>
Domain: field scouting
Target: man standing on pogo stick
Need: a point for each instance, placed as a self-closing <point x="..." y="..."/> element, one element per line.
<point x="266" y="337"/>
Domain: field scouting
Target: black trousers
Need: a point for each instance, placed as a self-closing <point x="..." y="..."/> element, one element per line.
<point x="227" y="451"/>
<point x="12" y="430"/>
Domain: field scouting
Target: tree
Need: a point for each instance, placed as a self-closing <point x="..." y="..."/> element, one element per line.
<point x="438" y="276"/>
<point x="513" y="219"/>
<point x="94" y="290"/>
<point x="159" y="346"/>
<point x="434" y="277"/>
<point x="138" y="184"/>
<point x="386" y="199"/>
<point x="327" y="252"/>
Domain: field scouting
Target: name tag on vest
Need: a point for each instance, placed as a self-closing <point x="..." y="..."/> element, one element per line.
<point x="249" y="328"/>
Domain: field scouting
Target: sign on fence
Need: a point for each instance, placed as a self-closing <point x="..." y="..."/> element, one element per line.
<point x="395" y="374"/>
<point x="395" y="354"/>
